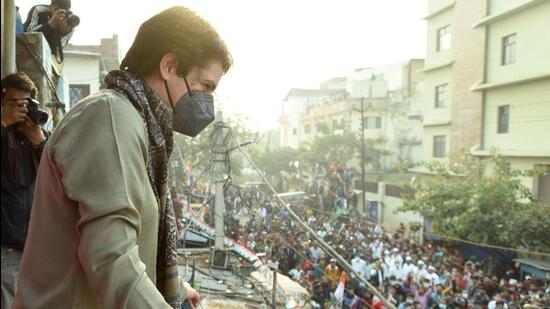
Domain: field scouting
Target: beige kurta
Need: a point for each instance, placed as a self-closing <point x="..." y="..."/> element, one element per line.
<point x="92" y="240"/>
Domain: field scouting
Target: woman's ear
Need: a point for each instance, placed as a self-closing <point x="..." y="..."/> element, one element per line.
<point x="168" y="67"/>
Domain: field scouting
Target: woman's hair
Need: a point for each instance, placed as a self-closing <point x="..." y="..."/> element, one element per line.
<point x="177" y="30"/>
<point x="19" y="81"/>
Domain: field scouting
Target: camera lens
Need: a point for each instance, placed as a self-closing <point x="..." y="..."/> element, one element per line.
<point x="72" y="19"/>
<point x="41" y="118"/>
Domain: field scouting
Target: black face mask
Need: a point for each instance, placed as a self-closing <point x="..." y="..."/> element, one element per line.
<point x="193" y="112"/>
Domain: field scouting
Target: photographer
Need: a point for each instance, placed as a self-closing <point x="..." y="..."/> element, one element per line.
<point x="22" y="144"/>
<point x="56" y="22"/>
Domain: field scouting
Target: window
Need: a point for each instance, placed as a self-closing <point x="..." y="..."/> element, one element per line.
<point x="416" y="117"/>
<point x="307" y="129"/>
<point x="77" y="93"/>
<point x="444" y="38"/>
<point x="294" y="131"/>
<point x="544" y="185"/>
<point x="372" y="122"/>
<point x="441" y="95"/>
<point x="503" y="118"/>
<point x="439" y="146"/>
<point x="336" y="124"/>
<point x="322" y="127"/>
<point x="509" y="49"/>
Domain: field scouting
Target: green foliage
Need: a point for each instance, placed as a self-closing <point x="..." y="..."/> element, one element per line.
<point x="327" y="149"/>
<point x="323" y="128"/>
<point x="276" y="161"/>
<point x="375" y="152"/>
<point x="482" y="201"/>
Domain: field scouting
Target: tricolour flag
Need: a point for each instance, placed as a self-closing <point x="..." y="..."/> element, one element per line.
<point x="339" y="292"/>
<point x="189" y="175"/>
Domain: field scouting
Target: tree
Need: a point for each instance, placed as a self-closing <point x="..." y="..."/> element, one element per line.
<point x="481" y="201"/>
<point x="375" y="153"/>
<point x="275" y="161"/>
<point x="326" y="149"/>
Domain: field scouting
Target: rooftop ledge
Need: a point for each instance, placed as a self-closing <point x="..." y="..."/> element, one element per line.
<point x="495" y="17"/>
<point x="437" y="123"/>
<point x="439" y="11"/>
<point x="521" y="80"/>
<point x="437" y="67"/>
<point x="521" y="153"/>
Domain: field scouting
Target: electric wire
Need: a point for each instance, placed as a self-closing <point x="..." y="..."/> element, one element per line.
<point x="45" y="75"/>
<point x="325" y="246"/>
<point x="302" y="255"/>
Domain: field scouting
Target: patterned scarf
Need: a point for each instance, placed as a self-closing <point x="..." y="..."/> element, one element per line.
<point x="157" y="116"/>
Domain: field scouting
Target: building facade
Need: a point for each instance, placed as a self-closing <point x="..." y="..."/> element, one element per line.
<point x="85" y="67"/>
<point x="81" y="75"/>
<point x="296" y="105"/>
<point x="391" y="97"/>
<point x="488" y="83"/>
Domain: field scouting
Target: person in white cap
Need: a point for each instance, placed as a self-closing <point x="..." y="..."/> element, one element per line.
<point x="396" y="256"/>
<point x="432" y="275"/>
<point x="409" y="267"/>
<point x="421" y="272"/>
<point x="396" y="270"/>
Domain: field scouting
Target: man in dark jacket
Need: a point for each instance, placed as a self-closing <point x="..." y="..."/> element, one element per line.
<point x="55" y="22"/>
<point x="22" y="144"/>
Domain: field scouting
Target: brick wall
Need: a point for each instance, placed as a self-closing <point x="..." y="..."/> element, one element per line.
<point x="109" y="47"/>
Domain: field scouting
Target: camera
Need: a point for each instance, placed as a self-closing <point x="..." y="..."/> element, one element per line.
<point x="72" y="19"/>
<point x="34" y="113"/>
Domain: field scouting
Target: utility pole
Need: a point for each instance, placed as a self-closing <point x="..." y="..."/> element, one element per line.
<point x="274" y="297"/>
<point x="364" y="197"/>
<point x="363" y="159"/>
<point x="274" y="266"/>
<point x="178" y="179"/>
<point x="219" y="160"/>
<point x="362" y="110"/>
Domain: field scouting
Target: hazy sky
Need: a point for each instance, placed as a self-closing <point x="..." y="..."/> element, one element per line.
<point x="276" y="44"/>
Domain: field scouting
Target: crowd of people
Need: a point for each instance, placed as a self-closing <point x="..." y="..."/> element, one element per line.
<point x="96" y="233"/>
<point x="410" y="275"/>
